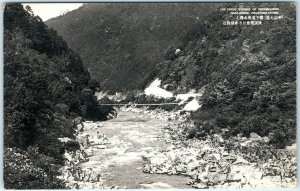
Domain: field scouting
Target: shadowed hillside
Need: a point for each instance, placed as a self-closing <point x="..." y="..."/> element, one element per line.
<point x="45" y="88"/>
<point x="121" y="43"/>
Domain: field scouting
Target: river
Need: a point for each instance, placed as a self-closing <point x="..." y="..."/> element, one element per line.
<point x="130" y="136"/>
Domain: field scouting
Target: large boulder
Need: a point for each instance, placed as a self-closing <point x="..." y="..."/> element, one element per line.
<point x="216" y="177"/>
<point x="200" y="185"/>
<point x="77" y="120"/>
<point x="255" y="137"/>
<point x="234" y="177"/>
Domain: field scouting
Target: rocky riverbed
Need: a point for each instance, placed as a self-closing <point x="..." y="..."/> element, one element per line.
<point x="144" y="148"/>
<point x="215" y="162"/>
<point x="113" y="158"/>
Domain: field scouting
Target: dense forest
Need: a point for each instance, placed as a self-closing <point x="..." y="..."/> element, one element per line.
<point x="45" y="88"/>
<point x="122" y="42"/>
<point x="248" y="72"/>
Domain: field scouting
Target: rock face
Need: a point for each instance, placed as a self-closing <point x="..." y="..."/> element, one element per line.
<point x="158" y="92"/>
<point x="155" y="83"/>
<point x="192" y="105"/>
<point x="155" y="90"/>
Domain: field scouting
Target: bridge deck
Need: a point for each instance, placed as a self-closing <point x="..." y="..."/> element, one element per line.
<point x="116" y="104"/>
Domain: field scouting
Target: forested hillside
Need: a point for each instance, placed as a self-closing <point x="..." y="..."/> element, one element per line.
<point x="45" y="88"/>
<point x="121" y="43"/>
<point x="249" y="74"/>
<point x="249" y="71"/>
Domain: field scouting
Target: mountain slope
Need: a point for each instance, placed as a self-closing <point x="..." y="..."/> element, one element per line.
<point x="45" y="88"/>
<point x="249" y="75"/>
<point x="121" y="43"/>
<point x="248" y="72"/>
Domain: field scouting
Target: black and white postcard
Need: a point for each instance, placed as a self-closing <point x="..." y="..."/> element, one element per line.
<point x="135" y="95"/>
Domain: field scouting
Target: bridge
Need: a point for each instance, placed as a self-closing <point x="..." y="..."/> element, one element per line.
<point x="145" y="104"/>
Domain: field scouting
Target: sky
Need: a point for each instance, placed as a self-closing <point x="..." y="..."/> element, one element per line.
<point x="50" y="10"/>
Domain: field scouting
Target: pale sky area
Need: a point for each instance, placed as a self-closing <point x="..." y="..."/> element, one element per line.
<point x="50" y="10"/>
